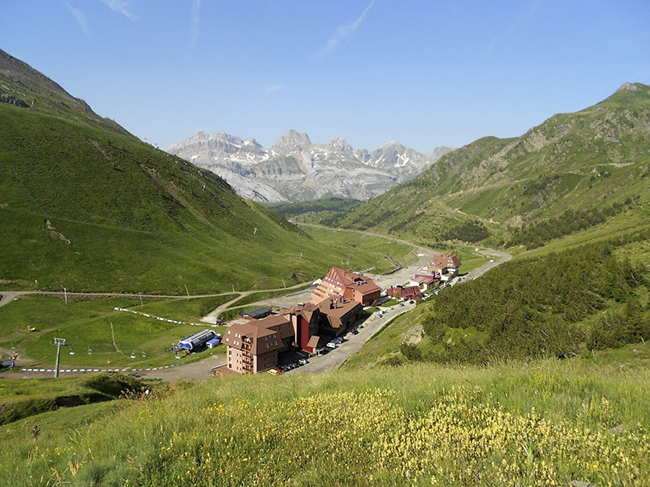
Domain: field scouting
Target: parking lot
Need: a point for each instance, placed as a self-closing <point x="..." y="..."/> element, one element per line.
<point x="352" y="343"/>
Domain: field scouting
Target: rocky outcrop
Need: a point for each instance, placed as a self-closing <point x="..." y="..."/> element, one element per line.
<point x="12" y="100"/>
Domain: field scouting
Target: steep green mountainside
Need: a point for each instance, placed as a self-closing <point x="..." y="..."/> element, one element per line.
<point x="86" y="206"/>
<point x="23" y="86"/>
<point x="595" y="160"/>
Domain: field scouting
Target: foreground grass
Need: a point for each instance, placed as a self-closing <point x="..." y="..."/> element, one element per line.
<point x="22" y="398"/>
<point x="542" y="423"/>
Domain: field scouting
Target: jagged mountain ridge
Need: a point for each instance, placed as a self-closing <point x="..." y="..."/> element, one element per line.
<point x="295" y="169"/>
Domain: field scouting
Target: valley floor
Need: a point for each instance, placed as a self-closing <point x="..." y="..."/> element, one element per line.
<point x="200" y="370"/>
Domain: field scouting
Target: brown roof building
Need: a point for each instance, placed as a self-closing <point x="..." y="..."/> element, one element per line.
<point x="424" y="279"/>
<point x="350" y="285"/>
<point x="339" y="314"/>
<point x="446" y="264"/>
<point x="404" y="292"/>
<point x="252" y="348"/>
<point x="305" y="320"/>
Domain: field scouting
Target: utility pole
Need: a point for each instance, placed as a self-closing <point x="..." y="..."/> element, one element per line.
<point x="58" y="342"/>
<point x="65" y="295"/>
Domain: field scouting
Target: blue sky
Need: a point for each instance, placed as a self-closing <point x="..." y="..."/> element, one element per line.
<point x="425" y="73"/>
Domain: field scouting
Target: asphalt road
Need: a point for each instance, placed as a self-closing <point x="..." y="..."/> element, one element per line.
<point x="352" y="343"/>
<point x="332" y="360"/>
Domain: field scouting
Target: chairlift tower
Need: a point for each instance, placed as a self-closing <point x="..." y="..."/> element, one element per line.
<point x="58" y="342"/>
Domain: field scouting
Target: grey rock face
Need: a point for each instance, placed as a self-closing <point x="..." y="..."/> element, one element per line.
<point x="294" y="169"/>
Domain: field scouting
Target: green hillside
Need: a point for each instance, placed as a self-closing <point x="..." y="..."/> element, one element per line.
<point x="546" y="423"/>
<point x="593" y="164"/>
<point x="86" y="206"/>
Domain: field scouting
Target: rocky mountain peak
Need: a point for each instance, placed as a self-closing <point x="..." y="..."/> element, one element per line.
<point x="340" y="144"/>
<point x="290" y="141"/>
<point x="628" y="87"/>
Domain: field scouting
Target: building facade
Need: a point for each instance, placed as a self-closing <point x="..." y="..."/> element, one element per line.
<point x="350" y="285"/>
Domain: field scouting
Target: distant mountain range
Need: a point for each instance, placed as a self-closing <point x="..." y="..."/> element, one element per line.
<point x="295" y="169"/>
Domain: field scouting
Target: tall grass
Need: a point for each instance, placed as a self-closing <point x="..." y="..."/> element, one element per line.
<point x="539" y="423"/>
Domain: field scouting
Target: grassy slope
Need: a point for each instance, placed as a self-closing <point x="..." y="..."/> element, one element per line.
<point x="544" y="423"/>
<point x="583" y="160"/>
<point x="89" y="209"/>
<point x="93" y="324"/>
<point x="408" y="327"/>
<point x="22" y="398"/>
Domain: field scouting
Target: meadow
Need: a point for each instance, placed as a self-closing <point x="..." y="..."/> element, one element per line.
<point x="114" y="338"/>
<point x="538" y="423"/>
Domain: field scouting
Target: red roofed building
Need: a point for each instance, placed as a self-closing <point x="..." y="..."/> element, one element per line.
<point x="404" y="292"/>
<point x="350" y="285"/>
<point x="424" y="279"/>
<point x="254" y="346"/>
<point x="305" y="320"/>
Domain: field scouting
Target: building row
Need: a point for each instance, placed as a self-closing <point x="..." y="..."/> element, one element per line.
<point x="337" y="302"/>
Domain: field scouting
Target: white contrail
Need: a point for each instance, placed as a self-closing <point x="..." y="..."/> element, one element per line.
<point x="342" y="32"/>
<point x="80" y="17"/>
<point x="195" y="21"/>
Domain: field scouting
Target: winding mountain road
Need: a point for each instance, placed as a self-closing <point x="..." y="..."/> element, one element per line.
<point x="200" y="370"/>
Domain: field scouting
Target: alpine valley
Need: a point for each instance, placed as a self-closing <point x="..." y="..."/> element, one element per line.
<point x="529" y="367"/>
<point x="294" y="169"/>
<point x="86" y="206"/>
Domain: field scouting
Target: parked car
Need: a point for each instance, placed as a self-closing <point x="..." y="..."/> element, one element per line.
<point x="355" y="332"/>
<point x="331" y="345"/>
<point x="303" y="361"/>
